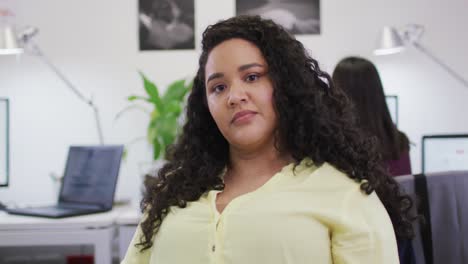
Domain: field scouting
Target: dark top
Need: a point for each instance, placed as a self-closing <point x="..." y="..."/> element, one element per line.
<point x="401" y="166"/>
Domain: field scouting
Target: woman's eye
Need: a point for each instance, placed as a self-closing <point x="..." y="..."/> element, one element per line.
<point x="218" y="88"/>
<point x="252" y="77"/>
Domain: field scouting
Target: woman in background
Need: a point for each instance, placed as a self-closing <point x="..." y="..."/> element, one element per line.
<point x="360" y="80"/>
<point x="270" y="167"/>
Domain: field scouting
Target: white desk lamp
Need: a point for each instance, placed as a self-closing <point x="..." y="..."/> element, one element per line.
<point x="11" y="43"/>
<point x="391" y="41"/>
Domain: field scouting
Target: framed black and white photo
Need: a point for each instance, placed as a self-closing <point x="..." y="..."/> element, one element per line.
<point x="296" y="16"/>
<point x="166" y="24"/>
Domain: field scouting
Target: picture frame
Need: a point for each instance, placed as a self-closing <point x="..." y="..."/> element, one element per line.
<point x="166" y="24"/>
<point x="299" y="17"/>
<point x="392" y="104"/>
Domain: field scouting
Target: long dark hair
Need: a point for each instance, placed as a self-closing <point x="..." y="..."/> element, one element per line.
<point x="360" y="80"/>
<point x="313" y="121"/>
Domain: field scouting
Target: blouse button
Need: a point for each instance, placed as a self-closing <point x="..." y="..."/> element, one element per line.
<point x="213" y="248"/>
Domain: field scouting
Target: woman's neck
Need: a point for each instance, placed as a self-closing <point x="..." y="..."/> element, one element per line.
<point x="263" y="163"/>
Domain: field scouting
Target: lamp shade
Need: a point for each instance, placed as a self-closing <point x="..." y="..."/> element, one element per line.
<point x="8" y="41"/>
<point x="389" y="42"/>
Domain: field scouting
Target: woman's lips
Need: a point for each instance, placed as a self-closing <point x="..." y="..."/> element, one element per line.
<point x="242" y="116"/>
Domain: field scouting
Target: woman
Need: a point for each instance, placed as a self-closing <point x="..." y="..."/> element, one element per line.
<point x="360" y="81"/>
<point x="269" y="167"/>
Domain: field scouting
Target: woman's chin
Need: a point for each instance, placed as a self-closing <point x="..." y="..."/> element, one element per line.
<point x="248" y="141"/>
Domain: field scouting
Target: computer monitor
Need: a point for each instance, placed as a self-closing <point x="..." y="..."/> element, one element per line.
<point x="392" y="103"/>
<point x="4" y="141"/>
<point x="444" y="152"/>
<point x="4" y="144"/>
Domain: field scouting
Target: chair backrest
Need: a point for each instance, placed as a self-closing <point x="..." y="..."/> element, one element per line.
<point x="447" y="193"/>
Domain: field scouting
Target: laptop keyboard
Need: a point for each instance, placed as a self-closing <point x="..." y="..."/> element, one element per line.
<point x="51" y="210"/>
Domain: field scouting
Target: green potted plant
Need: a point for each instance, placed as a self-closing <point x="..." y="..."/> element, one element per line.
<point x="164" y="114"/>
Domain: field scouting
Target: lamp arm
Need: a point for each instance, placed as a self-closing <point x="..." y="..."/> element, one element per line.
<point x="36" y="49"/>
<point x="440" y="63"/>
<point x="98" y="122"/>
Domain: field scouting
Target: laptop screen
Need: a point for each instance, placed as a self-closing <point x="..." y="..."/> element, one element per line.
<point x="91" y="175"/>
<point x="444" y="153"/>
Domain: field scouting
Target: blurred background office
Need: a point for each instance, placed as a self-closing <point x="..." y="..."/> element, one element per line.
<point x="96" y="45"/>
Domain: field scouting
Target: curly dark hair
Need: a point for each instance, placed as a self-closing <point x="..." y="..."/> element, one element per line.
<point x="314" y="121"/>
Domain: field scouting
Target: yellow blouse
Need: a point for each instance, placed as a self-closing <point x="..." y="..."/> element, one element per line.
<point x="315" y="215"/>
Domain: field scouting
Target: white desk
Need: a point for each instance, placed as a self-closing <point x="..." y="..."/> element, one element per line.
<point x="126" y="223"/>
<point x="98" y="230"/>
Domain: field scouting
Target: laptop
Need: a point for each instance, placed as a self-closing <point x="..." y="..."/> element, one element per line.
<point x="88" y="185"/>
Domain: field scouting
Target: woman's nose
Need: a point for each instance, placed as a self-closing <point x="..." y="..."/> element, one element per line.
<point x="237" y="95"/>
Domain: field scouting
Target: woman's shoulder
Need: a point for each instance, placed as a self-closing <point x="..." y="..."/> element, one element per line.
<point x="327" y="175"/>
<point x="345" y="194"/>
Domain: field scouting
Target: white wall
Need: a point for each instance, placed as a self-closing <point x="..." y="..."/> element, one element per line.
<point x="95" y="44"/>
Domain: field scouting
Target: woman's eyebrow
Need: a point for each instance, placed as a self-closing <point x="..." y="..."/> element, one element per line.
<point x="250" y="65"/>
<point x="244" y="67"/>
<point x="215" y="76"/>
